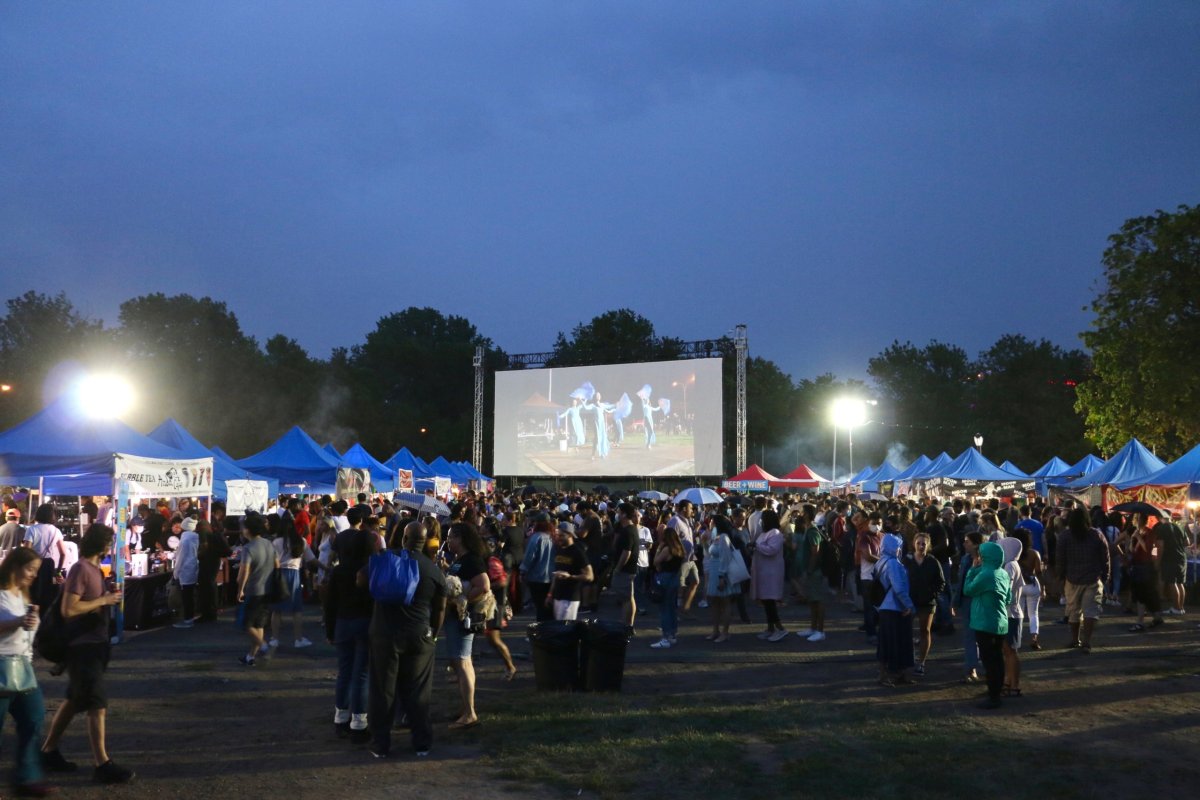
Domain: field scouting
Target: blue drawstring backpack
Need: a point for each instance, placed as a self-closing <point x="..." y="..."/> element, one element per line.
<point x="393" y="577"/>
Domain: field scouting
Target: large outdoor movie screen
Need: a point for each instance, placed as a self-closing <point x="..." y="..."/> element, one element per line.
<point x="658" y="418"/>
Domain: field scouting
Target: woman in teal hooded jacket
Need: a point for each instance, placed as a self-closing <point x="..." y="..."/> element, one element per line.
<point x="990" y="590"/>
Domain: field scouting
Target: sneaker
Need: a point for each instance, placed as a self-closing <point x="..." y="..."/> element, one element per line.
<point x="265" y="650"/>
<point x="272" y="642"/>
<point x="805" y="634"/>
<point x="245" y="661"/>
<point x="108" y="772"/>
<point x="703" y="604"/>
<point x="183" y="623"/>
<point x="817" y="636"/>
<point x="764" y="635"/>
<point x="53" y="761"/>
<point x="777" y="636"/>
<point x="303" y="641"/>
<point x="661" y="644"/>
<point x="919" y="669"/>
<point x="422" y="754"/>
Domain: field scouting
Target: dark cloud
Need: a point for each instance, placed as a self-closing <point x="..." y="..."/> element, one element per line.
<point x="834" y="176"/>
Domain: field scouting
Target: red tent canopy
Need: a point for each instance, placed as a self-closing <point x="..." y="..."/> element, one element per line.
<point x="753" y="473"/>
<point x="800" y="478"/>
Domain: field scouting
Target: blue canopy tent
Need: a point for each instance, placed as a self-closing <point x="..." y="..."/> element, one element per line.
<point x="177" y="437"/>
<point x="1083" y="466"/>
<point x="914" y="468"/>
<point x="297" y="462"/>
<point x="1131" y="462"/>
<point x="1185" y="471"/>
<point x="972" y="474"/>
<point x="332" y="451"/>
<point x="65" y="452"/>
<point x="902" y="483"/>
<point x="1008" y="466"/>
<point x="445" y="469"/>
<point x="883" y="473"/>
<point x="935" y="468"/>
<point x="404" y="459"/>
<point x="1052" y="468"/>
<point x="217" y="451"/>
<point x="475" y="474"/>
<point x="383" y="478"/>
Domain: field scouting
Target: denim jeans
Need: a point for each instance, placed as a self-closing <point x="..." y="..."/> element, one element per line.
<point x="27" y="709"/>
<point x="670" y="615"/>
<point x="353" y="650"/>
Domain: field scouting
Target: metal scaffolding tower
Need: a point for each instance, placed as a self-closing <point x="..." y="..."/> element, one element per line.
<point x="741" y="346"/>
<point x="477" y="436"/>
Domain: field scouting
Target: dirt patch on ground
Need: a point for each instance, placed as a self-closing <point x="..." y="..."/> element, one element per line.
<point x="194" y="723"/>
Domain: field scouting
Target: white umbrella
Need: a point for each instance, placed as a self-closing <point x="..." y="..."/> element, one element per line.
<point x="422" y="503"/>
<point x="650" y="494"/>
<point x="698" y="496"/>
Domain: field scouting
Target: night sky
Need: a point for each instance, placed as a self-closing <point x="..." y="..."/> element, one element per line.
<point x="835" y="175"/>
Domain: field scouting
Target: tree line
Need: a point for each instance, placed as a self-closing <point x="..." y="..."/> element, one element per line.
<point x="410" y="381"/>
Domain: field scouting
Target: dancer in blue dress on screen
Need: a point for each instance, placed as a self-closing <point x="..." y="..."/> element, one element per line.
<point x="648" y="415"/>
<point x="600" y="408"/>
<point x="574" y="421"/>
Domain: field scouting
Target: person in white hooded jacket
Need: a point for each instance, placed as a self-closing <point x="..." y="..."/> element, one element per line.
<point x="1012" y="641"/>
<point x="187" y="570"/>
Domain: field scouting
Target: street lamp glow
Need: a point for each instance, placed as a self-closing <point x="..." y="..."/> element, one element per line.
<point x="104" y="396"/>
<point x="848" y="412"/>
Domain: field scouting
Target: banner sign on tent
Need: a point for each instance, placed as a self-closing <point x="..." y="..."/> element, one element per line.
<point x="243" y="496"/>
<point x="352" y="481"/>
<point x="745" y="486"/>
<point x="406" y="480"/>
<point x="161" y="477"/>
<point x="441" y="487"/>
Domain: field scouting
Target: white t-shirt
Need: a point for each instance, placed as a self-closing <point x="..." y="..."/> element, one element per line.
<point x="43" y="538"/>
<point x="18" y="642"/>
<point x="647" y="542"/>
<point x="285" y="559"/>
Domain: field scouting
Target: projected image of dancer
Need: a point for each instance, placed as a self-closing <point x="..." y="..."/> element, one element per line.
<point x="648" y="415"/>
<point x="574" y="421"/>
<point x="623" y="408"/>
<point x="600" y="409"/>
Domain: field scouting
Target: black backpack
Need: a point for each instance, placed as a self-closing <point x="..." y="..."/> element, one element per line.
<point x="830" y="560"/>
<point x="53" y="633"/>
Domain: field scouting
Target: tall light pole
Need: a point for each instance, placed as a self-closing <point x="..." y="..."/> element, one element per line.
<point x="847" y="412"/>
<point x="979" y="443"/>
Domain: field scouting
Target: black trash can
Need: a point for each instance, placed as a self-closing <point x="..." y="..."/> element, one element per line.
<point x="602" y="659"/>
<point x="555" y="649"/>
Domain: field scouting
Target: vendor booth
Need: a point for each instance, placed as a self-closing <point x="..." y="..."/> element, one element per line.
<point x="65" y="452"/>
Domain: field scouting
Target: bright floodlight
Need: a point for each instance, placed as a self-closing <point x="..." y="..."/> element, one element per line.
<point x="849" y="412"/>
<point x="104" y="396"/>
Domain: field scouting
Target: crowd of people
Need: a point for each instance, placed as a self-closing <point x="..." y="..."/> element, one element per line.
<point x="912" y="568"/>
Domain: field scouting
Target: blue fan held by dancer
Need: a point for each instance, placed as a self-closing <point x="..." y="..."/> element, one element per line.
<point x="623" y="409"/>
<point x="648" y="413"/>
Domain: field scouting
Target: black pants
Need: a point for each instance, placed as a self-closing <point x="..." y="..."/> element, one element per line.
<point x="772" y="609"/>
<point x="401" y="672"/>
<point x="991" y="653"/>
<point x="189" y="600"/>
<point x="206" y="599"/>
<point x="538" y="592"/>
<point x="741" y="601"/>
